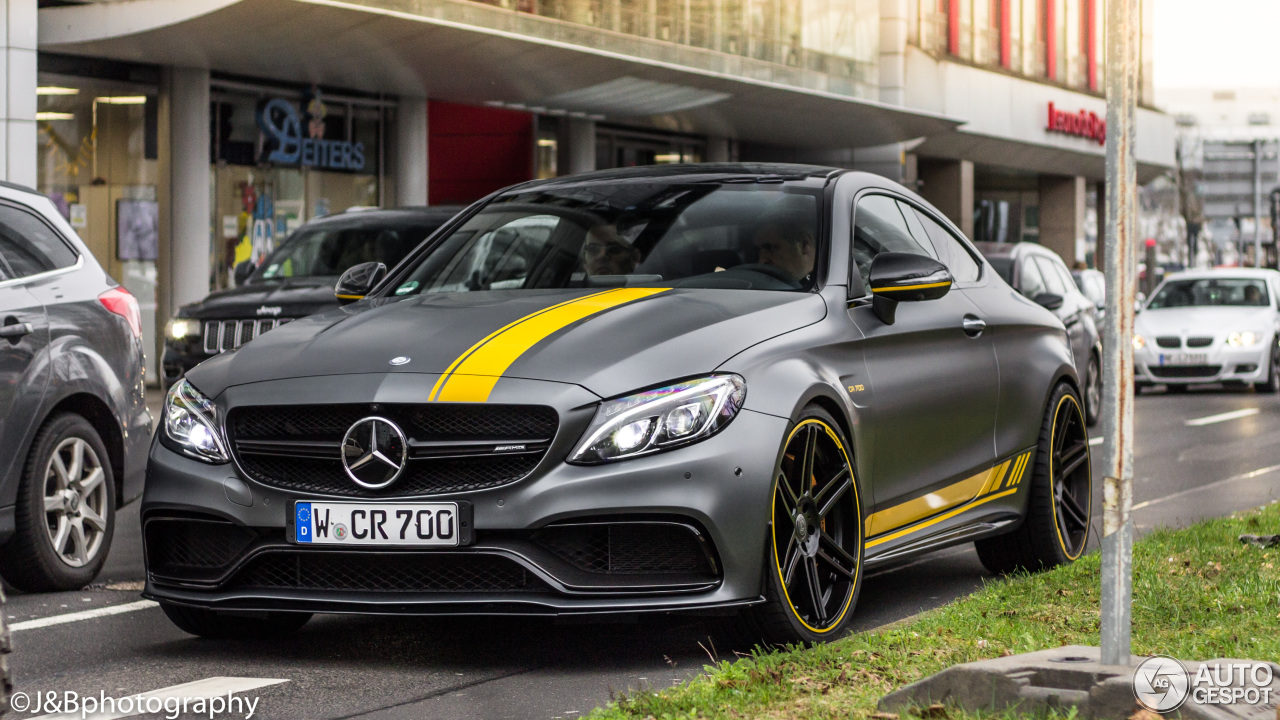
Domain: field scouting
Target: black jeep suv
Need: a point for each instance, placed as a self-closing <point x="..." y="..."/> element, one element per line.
<point x="294" y="281"/>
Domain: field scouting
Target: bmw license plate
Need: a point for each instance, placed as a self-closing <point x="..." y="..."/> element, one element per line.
<point x="437" y="524"/>
<point x="1184" y="358"/>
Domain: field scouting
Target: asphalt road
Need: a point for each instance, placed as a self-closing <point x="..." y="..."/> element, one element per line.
<point x="1205" y="453"/>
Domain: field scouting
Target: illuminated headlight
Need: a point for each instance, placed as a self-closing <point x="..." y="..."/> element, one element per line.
<point x="190" y="425"/>
<point x="1139" y="342"/>
<point x="660" y="419"/>
<point x="182" y="328"/>
<point x="1243" y="339"/>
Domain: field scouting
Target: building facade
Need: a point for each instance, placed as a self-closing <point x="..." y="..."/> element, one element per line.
<point x="180" y="137"/>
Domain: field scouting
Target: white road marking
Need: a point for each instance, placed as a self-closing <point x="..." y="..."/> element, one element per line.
<point x="1222" y="417"/>
<point x="1234" y="478"/>
<point x="1095" y="441"/>
<point x="208" y="688"/>
<point x="82" y="615"/>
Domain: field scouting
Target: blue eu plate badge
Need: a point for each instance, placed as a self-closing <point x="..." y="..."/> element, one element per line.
<point x="302" y="522"/>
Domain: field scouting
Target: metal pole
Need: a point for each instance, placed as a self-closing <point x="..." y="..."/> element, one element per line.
<point x="1117" y="346"/>
<point x="1257" y="203"/>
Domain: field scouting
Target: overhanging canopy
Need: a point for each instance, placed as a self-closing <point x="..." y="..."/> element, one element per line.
<point x="427" y="48"/>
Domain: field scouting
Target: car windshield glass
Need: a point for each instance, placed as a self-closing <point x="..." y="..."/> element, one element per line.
<point x="1208" y="292"/>
<point x="328" y="250"/>
<point x="1003" y="267"/>
<point x="625" y="233"/>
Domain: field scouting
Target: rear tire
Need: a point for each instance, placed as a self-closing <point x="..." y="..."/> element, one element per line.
<point x="214" y="625"/>
<point x="813" y="558"/>
<point x="1093" y="390"/>
<point x="64" y="517"/>
<point x="1055" y="529"/>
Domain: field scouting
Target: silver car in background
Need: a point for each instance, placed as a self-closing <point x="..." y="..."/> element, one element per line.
<point x="1210" y="326"/>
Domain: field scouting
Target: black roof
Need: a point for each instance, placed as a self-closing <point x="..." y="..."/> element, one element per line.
<point x="785" y="171"/>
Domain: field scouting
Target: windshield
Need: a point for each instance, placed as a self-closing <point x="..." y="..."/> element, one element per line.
<point x="328" y="250"/>
<point x="672" y="234"/>
<point x="1211" y="292"/>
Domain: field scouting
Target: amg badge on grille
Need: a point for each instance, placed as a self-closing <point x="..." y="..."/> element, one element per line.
<point x="374" y="452"/>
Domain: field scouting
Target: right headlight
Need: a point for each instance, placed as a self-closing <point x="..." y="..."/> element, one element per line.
<point x="660" y="419"/>
<point x="190" y="425"/>
<point x="1139" y="342"/>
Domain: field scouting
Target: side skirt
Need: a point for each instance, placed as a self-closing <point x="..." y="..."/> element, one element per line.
<point x="945" y="539"/>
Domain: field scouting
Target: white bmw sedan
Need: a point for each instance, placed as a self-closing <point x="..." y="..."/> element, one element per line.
<point x="1210" y="326"/>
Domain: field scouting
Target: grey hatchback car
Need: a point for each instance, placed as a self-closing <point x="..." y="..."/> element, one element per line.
<point x="74" y="426"/>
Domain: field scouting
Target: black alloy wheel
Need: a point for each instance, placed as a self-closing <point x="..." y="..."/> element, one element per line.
<point x="815" y="555"/>
<point x="1056" y="528"/>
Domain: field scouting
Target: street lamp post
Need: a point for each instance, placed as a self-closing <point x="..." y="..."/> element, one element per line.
<point x="1117" y="346"/>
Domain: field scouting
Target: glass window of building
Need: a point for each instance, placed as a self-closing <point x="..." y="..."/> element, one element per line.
<point x="282" y="156"/>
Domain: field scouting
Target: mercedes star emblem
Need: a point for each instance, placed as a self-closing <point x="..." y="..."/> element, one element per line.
<point x="374" y="452"/>
<point x="400" y="360"/>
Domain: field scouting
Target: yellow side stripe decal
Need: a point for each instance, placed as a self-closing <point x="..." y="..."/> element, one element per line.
<point x="940" y="518"/>
<point x="472" y="376"/>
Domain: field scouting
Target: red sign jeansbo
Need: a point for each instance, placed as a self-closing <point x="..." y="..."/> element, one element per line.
<point x="1083" y="124"/>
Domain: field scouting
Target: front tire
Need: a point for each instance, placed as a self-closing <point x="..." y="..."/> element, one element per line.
<point x="815" y="546"/>
<point x="1056" y="527"/>
<point x="214" y="625"/>
<point x="65" y="513"/>
<point x="1272" y="384"/>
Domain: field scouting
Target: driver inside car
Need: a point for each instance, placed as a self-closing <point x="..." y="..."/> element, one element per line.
<point x="787" y="245"/>
<point x="604" y="253"/>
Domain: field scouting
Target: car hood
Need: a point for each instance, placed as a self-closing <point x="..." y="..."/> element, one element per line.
<point x="1202" y="321"/>
<point x="609" y="342"/>
<point x="295" y="297"/>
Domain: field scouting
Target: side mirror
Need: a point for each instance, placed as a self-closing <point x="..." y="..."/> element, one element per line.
<point x="1049" y="301"/>
<point x="358" y="280"/>
<point x="242" y="272"/>
<point x="905" y="277"/>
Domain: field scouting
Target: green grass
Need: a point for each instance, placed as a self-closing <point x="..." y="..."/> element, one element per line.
<point x="1198" y="593"/>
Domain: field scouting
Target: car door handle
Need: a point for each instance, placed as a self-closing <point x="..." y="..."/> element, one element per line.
<point x="14" y="331"/>
<point x="974" y="325"/>
<point x="1072" y="321"/>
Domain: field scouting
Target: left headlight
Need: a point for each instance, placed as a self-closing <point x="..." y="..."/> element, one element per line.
<point x="1244" y="339"/>
<point x="182" y="328"/>
<point x="191" y="425"/>
<point x="660" y="419"/>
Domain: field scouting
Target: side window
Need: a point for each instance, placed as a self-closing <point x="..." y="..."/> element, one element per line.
<point x="878" y="227"/>
<point x="1052" y="278"/>
<point x="952" y="254"/>
<point x="1030" y="283"/>
<point x="29" y="246"/>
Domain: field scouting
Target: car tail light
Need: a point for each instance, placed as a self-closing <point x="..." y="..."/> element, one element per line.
<point x="121" y="302"/>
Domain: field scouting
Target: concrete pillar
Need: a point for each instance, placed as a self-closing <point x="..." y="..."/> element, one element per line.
<point x="18" y="116"/>
<point x="893" y="51"/>
<point x="189" y="211"/>
<point x="411" y="152"/>
<point x="580" y="138"/>
<point x="1062" y="205"/>
<point x="718" y="150"/>
<point x="948" y="185"/>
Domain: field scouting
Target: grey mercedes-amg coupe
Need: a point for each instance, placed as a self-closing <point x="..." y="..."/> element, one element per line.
<point x="656" y="389"/>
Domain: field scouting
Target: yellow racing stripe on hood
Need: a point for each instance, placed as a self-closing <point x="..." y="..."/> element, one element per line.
<point x="472" y="376"/>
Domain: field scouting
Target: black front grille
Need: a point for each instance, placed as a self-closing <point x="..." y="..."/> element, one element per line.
<point x="1169" y="342"/>
<point x="186" y="546"/>
<point x="1184" y="371"/>
<point x="387" y="572"/>
<point x="298" y="447"/>
<point x="1199" y="342"/>
<point x="628" y="548"/>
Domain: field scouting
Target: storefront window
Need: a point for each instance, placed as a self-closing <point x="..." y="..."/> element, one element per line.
<point x="97" y="158"/>
<point x="282" y="157"/>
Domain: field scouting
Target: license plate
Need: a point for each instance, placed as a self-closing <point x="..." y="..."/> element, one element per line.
<point x="1184" y="359"/>
<point x="438" y="524"/>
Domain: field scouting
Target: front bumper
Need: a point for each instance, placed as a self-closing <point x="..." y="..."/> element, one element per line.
<point x="715" y="492"/>
<point x="1222" y="363"/>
